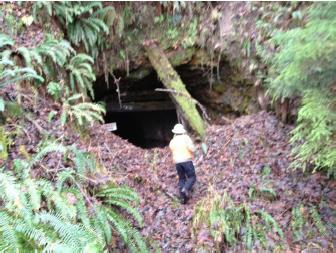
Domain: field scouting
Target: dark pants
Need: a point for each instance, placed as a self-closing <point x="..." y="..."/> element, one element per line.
<point x="187" y="176"/>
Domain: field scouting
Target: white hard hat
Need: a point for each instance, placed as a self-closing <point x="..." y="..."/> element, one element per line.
<point x="179" y="129"/>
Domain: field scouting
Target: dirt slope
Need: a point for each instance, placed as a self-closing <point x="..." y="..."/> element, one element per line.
<point x="237" y="155"/>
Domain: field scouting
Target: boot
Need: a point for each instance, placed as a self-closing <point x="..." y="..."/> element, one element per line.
<point x="184" y="196"/>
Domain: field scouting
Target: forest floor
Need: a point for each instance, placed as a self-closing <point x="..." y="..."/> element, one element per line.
<point x="253" y="151"/>
<point x="238" y="157"/>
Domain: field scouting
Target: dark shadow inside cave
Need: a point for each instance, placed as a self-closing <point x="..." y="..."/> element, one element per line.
<point x="145" y="129"/>
<point x="144" y="117"/>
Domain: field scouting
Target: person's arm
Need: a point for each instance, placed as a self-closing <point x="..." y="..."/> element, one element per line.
<point x="190" y="144"/>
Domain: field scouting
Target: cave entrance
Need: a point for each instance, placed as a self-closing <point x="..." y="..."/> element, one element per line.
<point x="145" y="129"/>
<point x="144" y="117"/>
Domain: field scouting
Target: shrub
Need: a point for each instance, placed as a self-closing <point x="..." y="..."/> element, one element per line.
<point x="304" y="66"/>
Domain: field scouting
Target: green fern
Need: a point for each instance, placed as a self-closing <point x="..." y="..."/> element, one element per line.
<point x="22" y="220"/>
<point x="71" y="234"/>
<point x="5" y="41"/>
<point x="271" y="223"/>
<point x="42" y="8"/>
<point x="49" y="147"/>
<point x="81" y="74"/>
<point x="317" y="221"/>
<point x="297" y="222"/>
<point x="85" y="22"/>
<point x="313" y="136"/>
<point x="84" y="162"/>
<point x="57" y="50"/>
<point x="121" y="197"/>
<point x="55" y="90"/>
<point x="227" y="221"/>
<point x="248" y="235"/>
<point x="304" y="67"/>
<point x="63" y="223"/>
<point x="82" y="112"/>
<point x="18" y="74"/>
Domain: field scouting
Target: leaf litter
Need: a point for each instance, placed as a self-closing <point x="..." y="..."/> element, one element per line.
<point x="252" y="151"/>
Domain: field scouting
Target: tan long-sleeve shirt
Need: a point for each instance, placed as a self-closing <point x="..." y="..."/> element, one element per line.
<point x="182" y="148"/>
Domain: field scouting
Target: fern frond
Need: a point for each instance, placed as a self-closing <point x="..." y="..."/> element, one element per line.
<point x="34" y="54"/>
<point x="107" y="14"/>
<point x="101" y="224"/>
<point x="318" y="221"/>
<point x="5" y="41"/>
<point x="8" y="237"/>
<point x="58" y="51"/>
<point x="124" y="205"/>
<point x="81" y="73"/>
<point x="271" y="223"/>
<point x="73" y="235"/>
<point x="84" y="162"/>
<point x="118" y="223"/>
<point x="49" y="147"/>
<point x="18" y="74"/>
<point x="297" y="222"/>
<point x="63" y="177"/>
<point x="25" y="53"/>
<point x="33" y="193"/>
<point x="33" y="233"/>
<point x="6" y="58"/>
<point x="10" y="190"/>
<point x="119" y="193"/>
<point x="42" y="6"/>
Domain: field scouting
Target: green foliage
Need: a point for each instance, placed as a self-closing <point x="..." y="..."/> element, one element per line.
<point x="228" y="221"/>
<point x="5" y="40"/>
<point x="10" y="23"/>
<point x="24" y="227"/>
<point x="191" y="36"/>
<point x="55" y="90"/>
<point x="315" y="132"/>
<point x="13" y="74"/>
<point x="304" y="218"/>
<point x="81" y="112"/>
<point x="121" y="197"/>
<point x="317" y="221"/>
<point x="81" y="74"/>
<point x="263" y="191"/>
<point x="62" y="208"/>
<point x="302" y="61"/>
<point x="41" y="10"/>
<point x="305" y="66"/>
<point x="50" y="59"/>
<point x="84" y="22"/>
<point x="56" y="51"/>
<point x="4" y="142"/>
<point x="62" y="216"/>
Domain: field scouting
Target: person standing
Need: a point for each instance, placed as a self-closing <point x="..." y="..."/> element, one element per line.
<point x="182" y="149"/>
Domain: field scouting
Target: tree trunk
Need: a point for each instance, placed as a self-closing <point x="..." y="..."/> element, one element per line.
<point x="172" y="81"/>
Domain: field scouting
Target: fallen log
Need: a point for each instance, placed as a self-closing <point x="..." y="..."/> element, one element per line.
<point x="171" y="80"/>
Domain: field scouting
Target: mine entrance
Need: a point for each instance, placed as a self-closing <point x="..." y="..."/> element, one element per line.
<point x="144" y="117"/>
<point x="146" y="129"/>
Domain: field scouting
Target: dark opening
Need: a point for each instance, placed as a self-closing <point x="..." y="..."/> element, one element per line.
<point x="145" y="129"/>
<point x="145" y="117"/>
